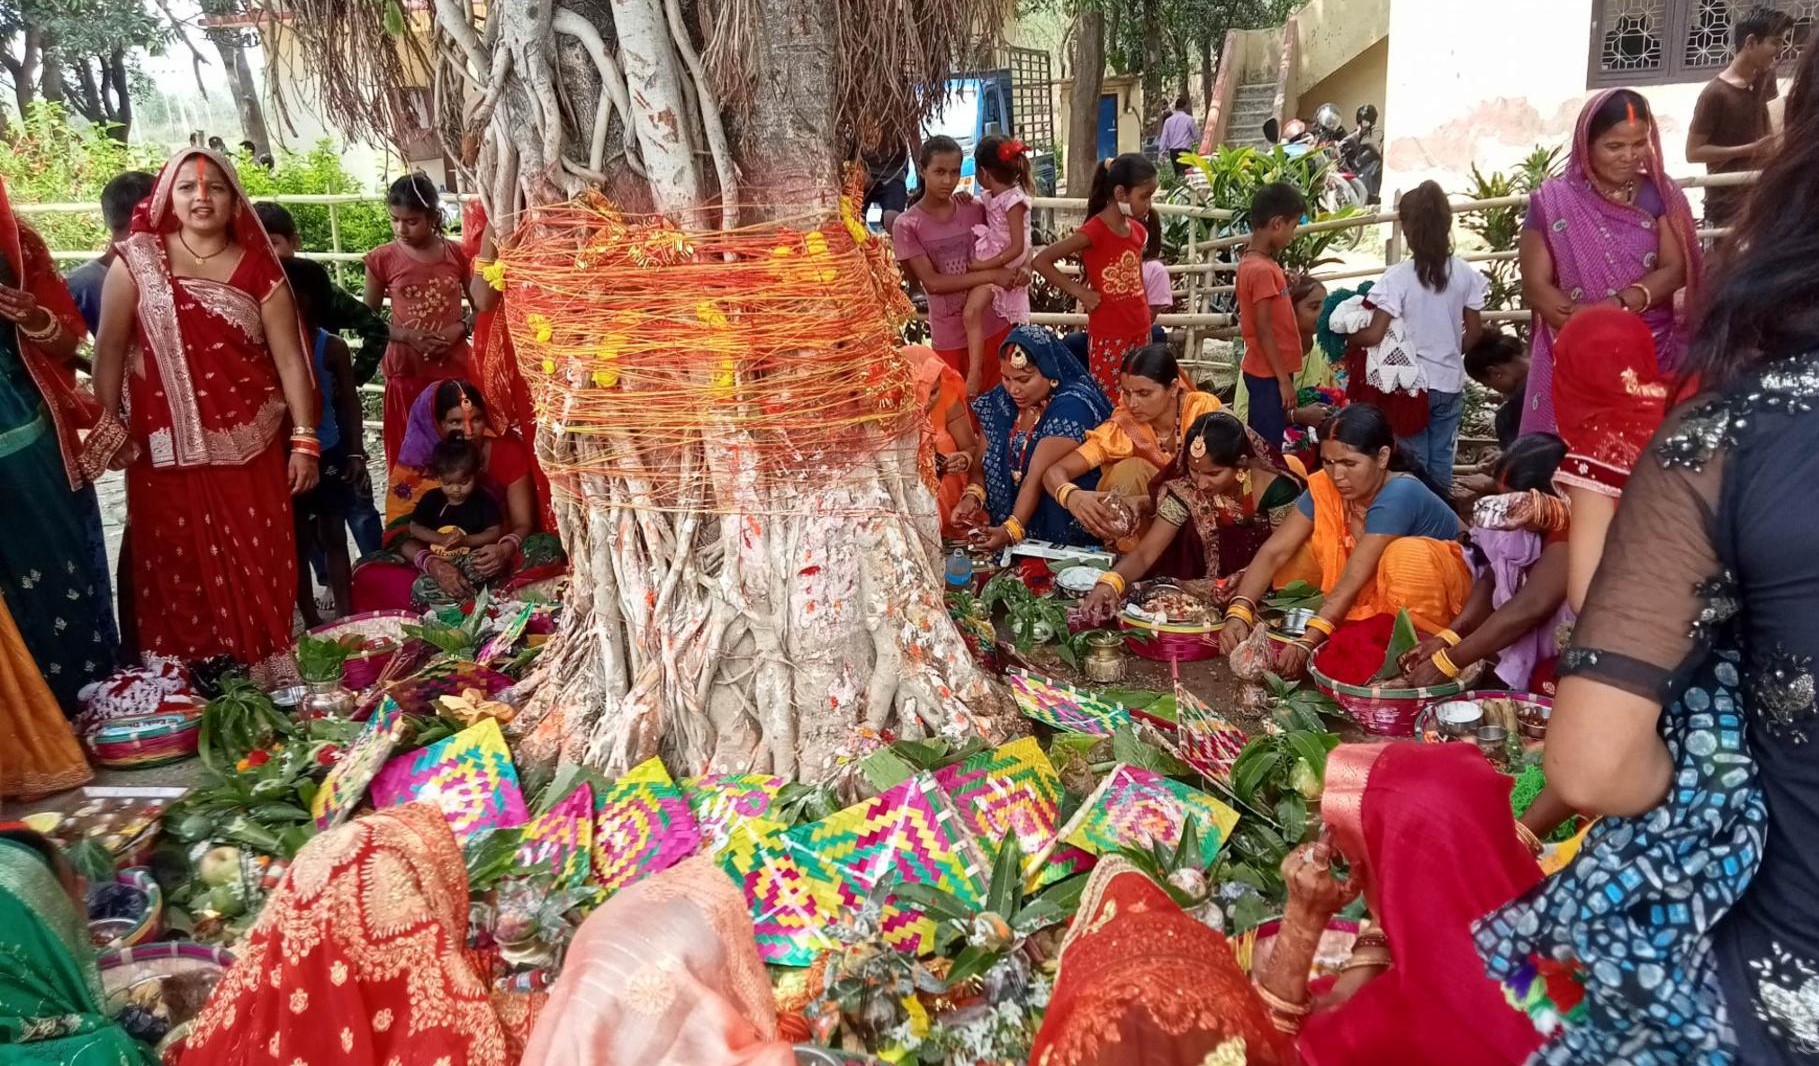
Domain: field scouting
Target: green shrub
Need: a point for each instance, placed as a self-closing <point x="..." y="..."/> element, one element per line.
<point x="52" y="158"/>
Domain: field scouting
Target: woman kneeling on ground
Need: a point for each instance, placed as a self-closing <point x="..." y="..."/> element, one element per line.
<point x="1156" y="407"/>
<point x="1215" y="507"/>
<point x="1518" y="607"/>
<point x="1038" y="414"/>
<point x="1383" y="539"/>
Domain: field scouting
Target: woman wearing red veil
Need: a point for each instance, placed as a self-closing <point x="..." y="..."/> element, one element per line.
<point x="1433" y="848"/>
<point x="200" y="333"/>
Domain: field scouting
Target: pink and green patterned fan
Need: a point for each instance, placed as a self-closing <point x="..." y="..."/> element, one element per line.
<point x="721" y="801"/>
<point x="559" y="839"/>
<point x="1063" y="706"/>
<point x="1014" y="788"/>
<point x="792" y="907"/>
<point x="909" y="832"/>
<point x="642" y="826"/>
<point x="470" y="776"/>
<point x="1135" y="808"/>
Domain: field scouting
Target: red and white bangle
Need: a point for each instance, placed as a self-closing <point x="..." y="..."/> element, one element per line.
<point x="309" y="446"/>
<point x="512" y="540"/>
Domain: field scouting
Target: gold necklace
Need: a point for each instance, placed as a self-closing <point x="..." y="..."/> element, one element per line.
<point x="200" y="259"/>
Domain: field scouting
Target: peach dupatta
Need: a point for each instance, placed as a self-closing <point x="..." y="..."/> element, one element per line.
<point x="666" y="973"/>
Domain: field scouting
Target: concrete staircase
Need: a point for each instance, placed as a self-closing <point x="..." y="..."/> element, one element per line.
<point x="1252" y="105"/>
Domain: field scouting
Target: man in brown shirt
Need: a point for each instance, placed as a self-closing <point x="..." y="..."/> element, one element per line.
<point x="1730" y="130"/>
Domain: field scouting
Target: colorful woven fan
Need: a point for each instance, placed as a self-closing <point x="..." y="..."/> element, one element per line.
<point x="909" y="832"/>
<point x="347" y="781"/>
<point x="642" y="826"/>
<point x="1134" y="807"/>
<point x="721" y="801"/>
<point x="469" y="775"/>
<point x="1065" y="707"/>
<point x="559" y="839"/>
<point x="1013" y="788"/>
<point x="792" y="907"/>
<point x="1205" y="740"/>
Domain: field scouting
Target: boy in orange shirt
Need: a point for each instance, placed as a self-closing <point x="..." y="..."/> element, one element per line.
<point x="1266" y="315"/>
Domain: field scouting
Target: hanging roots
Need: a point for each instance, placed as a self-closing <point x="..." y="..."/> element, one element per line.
<point x="362" y="72"/>
<point x="765" y="341"/>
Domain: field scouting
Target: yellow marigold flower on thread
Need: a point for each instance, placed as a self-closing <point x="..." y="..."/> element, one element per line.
<point x="711" y="315"/>
<point x="606" y="379"/>
<point x="494" y="273"/>
<point x="549" y="366"/>
<point x="815" y="241"/>
<point x="854" y="224"/>
<point x="541" y="330"/>
<point x="782" y="251"/>
<point x="723" y="380"/>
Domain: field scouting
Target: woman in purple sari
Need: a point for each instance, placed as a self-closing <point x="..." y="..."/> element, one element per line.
<point x="1613" y="229"/>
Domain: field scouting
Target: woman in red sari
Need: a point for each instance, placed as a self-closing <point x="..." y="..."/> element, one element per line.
<point x="358" y="959"/>
<point x="200" y="333"/>
<point x="495" y="362"/>
<point x="1431" y="842"/>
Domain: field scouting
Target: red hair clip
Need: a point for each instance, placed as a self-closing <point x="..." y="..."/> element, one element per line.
<point x="1012" y="150"/>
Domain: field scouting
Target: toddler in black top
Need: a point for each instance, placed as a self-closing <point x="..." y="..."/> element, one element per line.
<point x="455" y="518"/>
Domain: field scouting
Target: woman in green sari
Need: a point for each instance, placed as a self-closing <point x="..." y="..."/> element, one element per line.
<point x="50" y="991"/>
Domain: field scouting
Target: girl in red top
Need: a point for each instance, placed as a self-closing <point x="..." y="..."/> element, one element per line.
<point x="426" y="277"/>
<point x="1110" y="249"/>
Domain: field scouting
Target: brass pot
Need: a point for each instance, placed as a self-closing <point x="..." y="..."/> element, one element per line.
<point x="1105" y="658"/>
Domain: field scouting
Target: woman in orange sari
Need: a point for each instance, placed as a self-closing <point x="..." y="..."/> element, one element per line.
<point x="358" y="959"/>
<point x="1430" y="841"/>
<point x="199" y="329"/>
<point x="948" y="442"/>
<point x="1383" y="539"/>
<point x="1157" y="405"/>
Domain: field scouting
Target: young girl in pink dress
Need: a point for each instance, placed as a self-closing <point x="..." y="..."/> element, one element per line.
<point x="1003" y="168"/>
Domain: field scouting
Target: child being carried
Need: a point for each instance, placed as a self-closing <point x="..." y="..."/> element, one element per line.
<point x="1002" y="167"/>
<point x="453" y="519"/>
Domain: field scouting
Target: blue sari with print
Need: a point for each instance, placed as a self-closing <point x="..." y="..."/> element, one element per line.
<point x="1076" y="406"/>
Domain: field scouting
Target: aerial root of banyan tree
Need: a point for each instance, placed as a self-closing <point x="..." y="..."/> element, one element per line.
<point x="745" y="594"/>
<point x="736" y="443"/>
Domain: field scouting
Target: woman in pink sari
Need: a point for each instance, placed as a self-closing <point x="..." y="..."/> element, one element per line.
<point x="200" y="333"/>
<point x="1613" y="230"/>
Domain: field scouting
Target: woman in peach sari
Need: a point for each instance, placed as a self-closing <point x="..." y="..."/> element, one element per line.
<point x="666" y="973"/>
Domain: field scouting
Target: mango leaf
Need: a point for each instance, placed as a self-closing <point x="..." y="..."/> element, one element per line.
<point x="1065" y="894"/>
<point x="1310" y="748"/>
<point x="1039" y="914"/>
<point x="885" y="769"/>
<point x="1402" y="641"/>
<point x="1291" y="811"/>
<point x="936" y="903"/>
<point x="1128" y="748"/>
<point x="1254" y="766"/>
<point x="1250" y="911"/>
<point x="970" y="963"/>
<point x="1007" y="876"/>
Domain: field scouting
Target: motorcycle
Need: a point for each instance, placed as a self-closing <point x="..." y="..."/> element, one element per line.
<point x="1357" y="154"/>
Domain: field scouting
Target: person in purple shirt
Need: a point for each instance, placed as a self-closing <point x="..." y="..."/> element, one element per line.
<point x="1178" y="135"/>
<point x="119" y="197"/>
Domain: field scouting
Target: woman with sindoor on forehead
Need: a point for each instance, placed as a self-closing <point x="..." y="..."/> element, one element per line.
<point x="200" y="332"/>
<point x="1613" y="229"/>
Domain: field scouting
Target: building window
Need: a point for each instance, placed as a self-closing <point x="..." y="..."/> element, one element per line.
<point x="1654" y="42"/>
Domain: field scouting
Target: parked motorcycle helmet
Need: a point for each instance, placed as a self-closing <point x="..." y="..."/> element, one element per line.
<point x="1367" y="114"/>
<point x="1327" y="118"/>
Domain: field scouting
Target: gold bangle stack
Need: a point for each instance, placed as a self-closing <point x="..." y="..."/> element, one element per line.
<point x="1321" y="626"/>
<point x="976" y="491"/>
<point x="1452" y="639"/>
<point x="1241" y="612"/>
<point x="1285" y="1016"/>
<point x="1062" y="493"/>
<point x="1014" y="529"/>
<point x="1112" y="578"/>
<point x="1444" y="663"/>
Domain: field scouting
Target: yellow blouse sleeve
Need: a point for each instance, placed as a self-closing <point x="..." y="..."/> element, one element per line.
<point x="1195" y="404"/>
<point x="1106" y="443"/>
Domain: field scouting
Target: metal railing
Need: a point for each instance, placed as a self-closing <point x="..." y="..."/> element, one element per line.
<point x="1196" y="279"/>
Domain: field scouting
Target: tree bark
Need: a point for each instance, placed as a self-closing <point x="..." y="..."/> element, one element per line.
<point x="1155" y="64"/>
<point x="756" y="626"/>
<point x="116" y="78"/>
<point x="1083" y="100"/>
<point x="245" y="92"/>
<point x="50" y="76"/>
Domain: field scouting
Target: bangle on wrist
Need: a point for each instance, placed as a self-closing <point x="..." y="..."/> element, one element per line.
<point x="1444" y="663"/>
<point x="976" y="491"/>
<point x="1062" y="493"/>
<point x="45" y="333"/>
<point x="1321" y="626"/>
<point x="1529" y="839"/>
<point x="1113" y="579"/>
<point x="1014" y="529"/>
<point x="1452" y="639"/>
<point x="1239" y="612"/>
